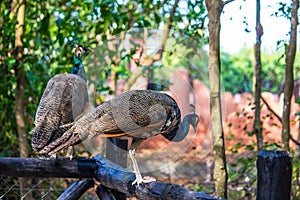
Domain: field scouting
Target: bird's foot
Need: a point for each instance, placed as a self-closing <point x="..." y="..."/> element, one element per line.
<point x="73" y="153"/>
<point x="54" y="156"/>
<point x="138" y="177"/>
<point x="72" y="156"/>
<point x="141" y="180"/>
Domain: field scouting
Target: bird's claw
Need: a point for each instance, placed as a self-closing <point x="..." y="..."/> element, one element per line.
<point x="146" y="179"/>
<point x="54" y="156"/>
<point x="72" y="156"/>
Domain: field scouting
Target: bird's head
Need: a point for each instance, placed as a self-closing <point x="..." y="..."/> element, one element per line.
<point x="80" y="50"/>
<point x="194" y="120"/>
<point x="180" y="130"/>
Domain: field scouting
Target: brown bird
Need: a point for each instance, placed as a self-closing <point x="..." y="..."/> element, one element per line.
<point x="64" y="100"/>
<point x="137" y="114"/>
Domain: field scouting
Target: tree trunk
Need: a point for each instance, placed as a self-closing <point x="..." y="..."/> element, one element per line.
<point x="20" y="104"/>
<point x="257" y="126"/>
<point x="214" y="8"/>
<point x="289" y="77"/>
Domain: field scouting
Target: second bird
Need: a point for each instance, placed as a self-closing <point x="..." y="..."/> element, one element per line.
<point x="64" y="100"/>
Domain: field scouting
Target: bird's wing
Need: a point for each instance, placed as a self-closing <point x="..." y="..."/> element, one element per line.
<point x="78" y="133"/>
<point x="64" y="98"/>
<point x="49" y="115"/>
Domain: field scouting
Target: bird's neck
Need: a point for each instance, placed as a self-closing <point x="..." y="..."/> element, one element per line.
<point x="183" y="129"/>
<point x="77" y="65"/>
<point x="78" y="68"/>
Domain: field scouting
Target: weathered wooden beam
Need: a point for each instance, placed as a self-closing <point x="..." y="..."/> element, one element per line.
<point x="120" y="179"/>
<point x="61" y="167"/>
<point x="274" y="173"/>
<point x="109" y="174"/>
<point x="77" y="189"/>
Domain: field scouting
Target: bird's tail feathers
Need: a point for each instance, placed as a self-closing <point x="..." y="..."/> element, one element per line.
<point x="67" y="139"/>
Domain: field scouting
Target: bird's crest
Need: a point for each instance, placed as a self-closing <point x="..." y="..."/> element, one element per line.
<point x="193" y="108"/>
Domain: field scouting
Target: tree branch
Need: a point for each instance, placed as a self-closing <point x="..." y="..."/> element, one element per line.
<point x="109" y="174"/>
<point x="278" y="117"/>
<point x="270" y="109"/>
<point x="227" y="2"/>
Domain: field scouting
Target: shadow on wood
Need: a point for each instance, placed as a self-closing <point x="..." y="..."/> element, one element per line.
<point x="109" y="174"/>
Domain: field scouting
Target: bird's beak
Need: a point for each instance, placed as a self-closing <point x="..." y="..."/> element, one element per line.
<point x="195" y="128"/>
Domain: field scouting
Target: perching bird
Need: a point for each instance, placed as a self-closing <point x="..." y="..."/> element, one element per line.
<point x="64" y="100"/>
<point x="137" y="114"/>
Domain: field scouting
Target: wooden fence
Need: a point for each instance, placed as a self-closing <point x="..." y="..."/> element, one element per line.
<point x="274" y="172"/>
<point x="110" y="175"/>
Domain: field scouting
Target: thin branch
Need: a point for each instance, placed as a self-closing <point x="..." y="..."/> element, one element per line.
<point x="227" y="2"/>
<point x="270" y="109"/>
<point x="279" y="118"/>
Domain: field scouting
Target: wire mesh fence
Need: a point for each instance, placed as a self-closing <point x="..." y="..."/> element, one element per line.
<point x="182" y="172"/>
<point x="35" y="188"/>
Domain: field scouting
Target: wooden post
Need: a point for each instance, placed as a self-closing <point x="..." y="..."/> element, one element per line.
<point x="274" y="172"/>
<point x="116" y="151"/>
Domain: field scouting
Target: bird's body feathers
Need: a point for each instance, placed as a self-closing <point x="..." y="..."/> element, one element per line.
<point x="64" y="100"/>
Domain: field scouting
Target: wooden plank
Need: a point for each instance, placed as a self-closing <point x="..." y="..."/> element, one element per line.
<point x="274" y="172"/>
<point x="120" y="179"/>
<point x="47" y="167"/>
<point x="108" y="173"/>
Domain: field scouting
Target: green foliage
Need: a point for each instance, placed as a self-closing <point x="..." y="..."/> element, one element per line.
<point x="237" y="71"/>
<point x="204" y="188"/>
<point x="52" y="25"/>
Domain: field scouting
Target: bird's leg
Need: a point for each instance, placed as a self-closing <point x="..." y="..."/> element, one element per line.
<point x="136" y="170"/>
<point x="73" y="153"/>
<point x="138" y="177"/>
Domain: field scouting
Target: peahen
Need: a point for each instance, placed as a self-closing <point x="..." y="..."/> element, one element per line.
<point x="137" y="114"/>
<point x="64" y="100"/>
